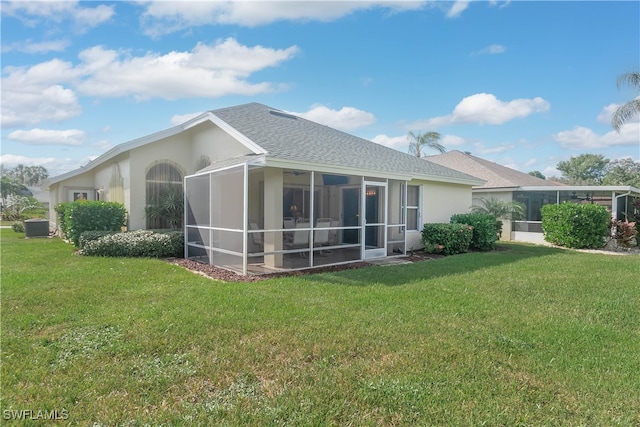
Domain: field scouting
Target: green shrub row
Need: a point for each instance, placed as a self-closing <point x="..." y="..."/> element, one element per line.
<point x="485" y="229"/>
<point x="139" y="243"/>
<point x="447" y="239"/>
<point x="77" y="217"/>
<point x="580" y="226"/>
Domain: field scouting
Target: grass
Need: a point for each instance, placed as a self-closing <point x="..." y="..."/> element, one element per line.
<point x="526" y="335"/>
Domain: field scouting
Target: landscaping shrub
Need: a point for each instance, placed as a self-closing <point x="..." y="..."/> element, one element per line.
<point x="624" y="232"/>
<point x="60" y="209"/>
<point x="139" y="243"/>
<point x="484" y="229"/>
<point x="90" y="236"/>
<point x="18" y="227"/>
<point x="447" y="239"/>
<point x="575" y="225"/>
<point x="85" y="215"/>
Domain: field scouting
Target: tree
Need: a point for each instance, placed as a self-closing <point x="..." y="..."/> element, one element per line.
<point x="585" y="169"/>
<point x="28" y="175"/>
<point x="627" y="111"/>
<point x="501" y="209"/>
<point x="537" y="174"/>
<point x="419" y="142"/>
<point x="622" y="172"/>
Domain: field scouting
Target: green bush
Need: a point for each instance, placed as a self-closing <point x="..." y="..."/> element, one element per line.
<point x="18" y="227"/>
<point x="485" y="231"/>
<point x="447" y="239"/>
<point x="86" y="215"/>
<point x="90" y="236"/>
<point x="139" y="243"/>
<point x="60" y="209"/>
<point x="575" y="226"/>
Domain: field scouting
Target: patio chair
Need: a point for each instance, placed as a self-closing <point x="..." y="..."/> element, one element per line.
<point x="300" y="238"/>
<point x="256" y="237"/>
<point x="321" y="234"/>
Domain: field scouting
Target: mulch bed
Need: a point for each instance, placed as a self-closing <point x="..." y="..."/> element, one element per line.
<point x="230" y="276"/>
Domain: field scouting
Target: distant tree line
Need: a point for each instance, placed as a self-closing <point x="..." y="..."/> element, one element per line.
<point x="596" y="169"/>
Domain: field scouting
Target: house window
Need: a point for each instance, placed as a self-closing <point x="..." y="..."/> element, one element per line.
<point x="163" y="185"/>
<point x="413" y="204"/>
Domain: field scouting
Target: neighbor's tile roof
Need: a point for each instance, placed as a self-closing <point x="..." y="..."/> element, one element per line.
<point x="497" y="176"/>
<point x="289" y="137"/>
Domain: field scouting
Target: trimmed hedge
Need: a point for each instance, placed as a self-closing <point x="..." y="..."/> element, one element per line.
<point x="447" y="239"/>
<point x="81" y="216"/>
<point x="484" y="229"/>
<point x="139" y="243"/>
<point x="90" y="236"/>
<point x="579" y="226"/>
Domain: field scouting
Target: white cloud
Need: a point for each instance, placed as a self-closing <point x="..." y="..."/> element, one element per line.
<point x="178" y="119"/>
<point x="452" y="141"/>
<point x="28" y="46"/>
<point x="581" y="138"/>
<point x="458" y="7"/>
<point x="485" y="108"/>
<point x="164" y="17"/>
<point x="396" y="142"/>
<point x="493" y="49"/>
<point x="12" y="160"/>
<point x="34" y="12"/>
<point x="206" y="71"/>
<point x="495" y="149"/>
<point x="346" y="119"/>
<point x="37" y="136"/>
<point x="34" y="103"/>
<point x="47" y="91"/>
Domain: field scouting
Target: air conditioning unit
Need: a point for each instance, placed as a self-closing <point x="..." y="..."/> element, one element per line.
<point x="36" y="228"/>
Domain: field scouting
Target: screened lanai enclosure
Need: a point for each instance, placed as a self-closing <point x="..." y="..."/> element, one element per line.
<point x="619" y="200"/>
<point x="256" y="219"/>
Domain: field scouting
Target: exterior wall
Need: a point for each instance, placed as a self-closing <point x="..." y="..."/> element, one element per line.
<point x="63" y="192"/>
<point x="211" y="141"/>
<point x="171" y="149"/>
<point x="506" y="196"/>
<point x="439" y="202"/>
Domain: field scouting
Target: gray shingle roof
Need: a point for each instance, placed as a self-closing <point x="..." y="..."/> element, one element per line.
<point x="497" y="176"/>
<point x="288" y="137"/>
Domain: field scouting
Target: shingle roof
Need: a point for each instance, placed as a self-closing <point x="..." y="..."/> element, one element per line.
<point x="288" y="137"/>
<point x="497" y="176"/>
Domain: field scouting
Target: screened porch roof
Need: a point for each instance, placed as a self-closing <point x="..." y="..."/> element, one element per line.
<point x="290" y="141"/>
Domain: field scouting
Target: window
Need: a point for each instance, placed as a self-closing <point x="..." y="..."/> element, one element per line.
<point x="413" y="205"/>
<point x="164" y="195"/>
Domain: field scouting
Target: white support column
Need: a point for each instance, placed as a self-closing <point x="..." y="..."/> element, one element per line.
<point x="273" y="182"/>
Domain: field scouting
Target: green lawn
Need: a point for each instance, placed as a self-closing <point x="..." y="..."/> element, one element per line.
<point x="522" y="336"/>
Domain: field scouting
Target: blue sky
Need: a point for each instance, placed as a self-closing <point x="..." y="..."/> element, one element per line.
<point x="523" y="84"/>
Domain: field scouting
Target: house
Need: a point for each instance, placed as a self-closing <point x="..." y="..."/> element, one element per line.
<point x="265" y="190"/>
<point x="507" y="184"/>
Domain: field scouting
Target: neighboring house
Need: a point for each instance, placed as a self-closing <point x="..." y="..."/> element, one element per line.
<point x="266" y="190"/>
<point x="508" y="184"/>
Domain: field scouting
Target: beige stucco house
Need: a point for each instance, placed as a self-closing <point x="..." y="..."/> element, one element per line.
<point x="507" y="184"/>
<point x="265" y="190"/>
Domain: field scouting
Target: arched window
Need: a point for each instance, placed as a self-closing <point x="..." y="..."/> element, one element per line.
<point x="164" y="195"/>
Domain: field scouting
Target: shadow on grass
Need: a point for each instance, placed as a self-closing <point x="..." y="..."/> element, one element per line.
<point x="395" y="275"/>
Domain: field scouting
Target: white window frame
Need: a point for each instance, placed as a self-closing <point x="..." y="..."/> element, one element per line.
<point x="416" y="208"/>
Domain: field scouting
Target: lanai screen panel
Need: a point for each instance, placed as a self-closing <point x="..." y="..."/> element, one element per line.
<point x="227" y="216"/>
<point x="396" y="215"/>
<point x="197" y="191"/>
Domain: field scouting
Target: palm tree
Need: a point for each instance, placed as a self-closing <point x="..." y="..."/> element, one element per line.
<point x="501" y="209"/>
<point x="631" y="108"/>
<point x="418" y="142"/>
